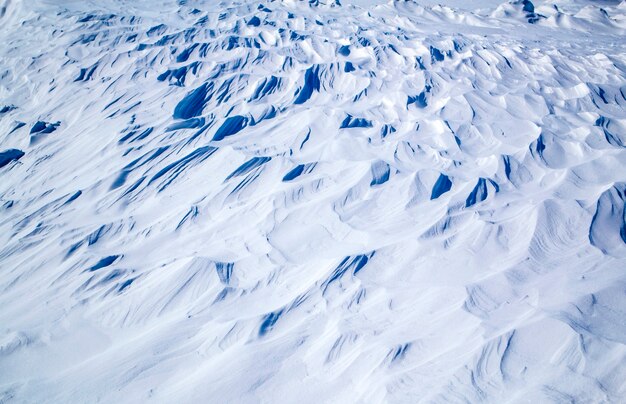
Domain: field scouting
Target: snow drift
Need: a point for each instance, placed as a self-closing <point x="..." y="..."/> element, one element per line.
<point x="312" y="201"/>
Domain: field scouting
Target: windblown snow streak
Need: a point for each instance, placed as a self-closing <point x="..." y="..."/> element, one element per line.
<point x="291" y="201"/>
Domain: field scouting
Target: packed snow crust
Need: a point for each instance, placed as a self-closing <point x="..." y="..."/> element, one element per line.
<point x="312" y="202"/>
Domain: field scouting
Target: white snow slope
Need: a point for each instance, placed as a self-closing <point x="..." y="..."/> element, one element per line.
<point x="299" y="202"/>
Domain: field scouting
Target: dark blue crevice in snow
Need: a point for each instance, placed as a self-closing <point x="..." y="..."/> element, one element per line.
<point x="191" y="214"/>
<point x="133" y="136"/>
<point x="298" y="171"/>
<point x="614" y="136"/>
<point x="224" y="93"/>
<point x="419" y="100"/>
<point x="436" y="55"/>
<point x="442" y="186"/>
<point x="480" y="191"/>
<point x="112" y="103"/>
<point x="360" y="261"/>
<point x="124" y="285"/>
<point x="97" y="234"/>
<point x="73" y="248"/>
<point x="311" y="83"/>
<point x="231" y="126"/>
<point x="223" y="294"/>
<point x="516" y="172"/>
<point x="528" y="6"/>
<point x="306" y="139"/>
<point x="351" y="122"/>
<point x="10" y="155"/>
<point x="269" y="320"/>
<point x="357" y="97"/>
<point x="7" y="108"/>
<point x="224" y="271"/>
<point x="143" y="134"/>
<point x="18" y="125"/>
<point x="104" y="262"/>
<point x="386" y="130"/>
<point x="184" y="55"/>
<point x="41" y="127"/>
<point x="267" y="86"/>
<point x="538" y="147"/>
<point x="297" y="302"/>
<point x="134" y="186"/>
<point x="96" y="17"/>
<point x="146" y="158"/>
<point x="254" y="21"/>
<point x="176" y="168"/>
<point x="269" y="113"/>
<point x="529" y="9"/>
<point x="380" y="173"/>
<point x="365" y="42"/>
<point x="194" y="102"/>
<point x="86" y="73"/>
<point x="200" y="131"/>
<point x="249" y="179"/>
<point x="354" y="264"/>
<point x="248" y="166"/>
<point x="507" y="166"/>
<point x="295" y="37"/>
<point x="400" y="352"/>
<point x="72" y="198"/>
<point x="177" y="76"/>
<point x="113" y="275"/>
<point x="599" y="91"/>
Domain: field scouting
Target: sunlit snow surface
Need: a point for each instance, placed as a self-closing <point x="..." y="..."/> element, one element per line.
<point x="286" y="202"/>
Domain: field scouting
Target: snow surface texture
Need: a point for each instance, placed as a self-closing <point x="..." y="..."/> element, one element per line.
<point x="307" y="202"/>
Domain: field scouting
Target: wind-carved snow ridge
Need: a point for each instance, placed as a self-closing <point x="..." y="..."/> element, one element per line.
<point x="312" y="201"/>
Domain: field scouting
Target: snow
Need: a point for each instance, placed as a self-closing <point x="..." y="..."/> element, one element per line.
<point x="364" y="201"/>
